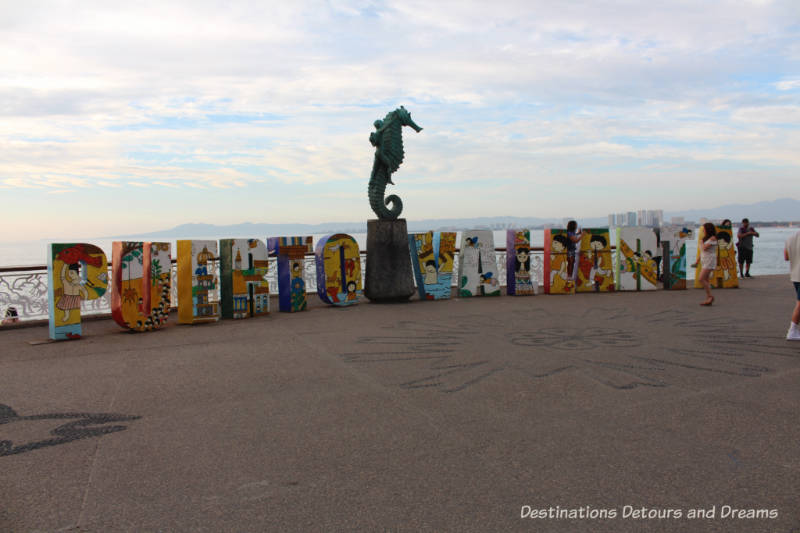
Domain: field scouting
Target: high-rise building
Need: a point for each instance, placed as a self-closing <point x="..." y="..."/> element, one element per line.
<point x="655" y="217"/>
<point x="642" y="217"/>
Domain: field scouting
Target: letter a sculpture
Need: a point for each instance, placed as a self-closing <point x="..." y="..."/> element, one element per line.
<point x="388" y="142"/>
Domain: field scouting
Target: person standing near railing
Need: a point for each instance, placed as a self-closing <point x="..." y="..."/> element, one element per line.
<point x="745" y="246"/>
<point x="574" y="236"/>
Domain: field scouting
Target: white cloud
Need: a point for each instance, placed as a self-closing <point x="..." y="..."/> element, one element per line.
<point x="785" y="114"/>
<point x="788" y="85"/>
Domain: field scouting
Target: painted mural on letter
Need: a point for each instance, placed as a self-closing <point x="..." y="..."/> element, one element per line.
<point x="198" y="288"/>
<point x="673" y="240"/>
<point x="637" y="270"/>
<point x="519" y="278"/>
<point x="595" y="266"/>
<point x="244" y="289"/>
<point x="291" y="256"/>
<point x="726" y="273"/>
<point x="140" y="284"/>
<point x="432" y="256"/>
<point x="75" y="272"/>
<point x="338" y="262"/>
<point x="560" y="269"/>
<point x="477" y="265"/>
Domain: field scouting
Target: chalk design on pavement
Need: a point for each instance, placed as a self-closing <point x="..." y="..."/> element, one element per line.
<point x="439" y="349"/>
<point x="575" y="338"/>
<point x="83" y="426"/>
<point x="542" y="345"/>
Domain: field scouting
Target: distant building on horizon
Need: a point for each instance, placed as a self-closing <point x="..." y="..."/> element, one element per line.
<point x="652" y="218"/>
<point x="643" y="217"/>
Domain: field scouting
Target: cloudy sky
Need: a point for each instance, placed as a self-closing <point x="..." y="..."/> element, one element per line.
<point x="119" y="117"/>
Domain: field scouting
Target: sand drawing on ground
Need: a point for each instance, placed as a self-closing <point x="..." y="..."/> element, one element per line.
<point x="541" y="345"/>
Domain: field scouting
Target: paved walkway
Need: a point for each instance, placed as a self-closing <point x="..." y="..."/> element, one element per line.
<point x="426" y="416"/>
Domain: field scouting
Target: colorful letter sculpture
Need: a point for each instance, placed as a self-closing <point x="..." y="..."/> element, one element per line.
<point x="244" y="290"/>
<point x="140" y="284"/>
<point x="519" y="280"/>
<point x="291" y="253"/>
<point x="595" y="266"/>
<point x="338" y="262"/>
<point x="76" y="272"/>
<point x="636" y="268"/>
<point x="725" y="275"/>
<point x="559" y="270"/>
<point x="673" y="243"/>
<point x="432" y="258"/>
<point x="197" y="282"/>
<point x="477" y="265"/>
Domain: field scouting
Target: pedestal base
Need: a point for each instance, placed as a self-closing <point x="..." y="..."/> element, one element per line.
<point x="389" y="277"/>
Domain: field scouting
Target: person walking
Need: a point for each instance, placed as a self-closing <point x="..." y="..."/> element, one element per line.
<point x="745" y="247"/>
<point x="792" y="254"/>
<point x="708" y="259"/>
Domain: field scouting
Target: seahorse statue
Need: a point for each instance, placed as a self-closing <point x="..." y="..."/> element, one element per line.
<point x="388" y="142"/>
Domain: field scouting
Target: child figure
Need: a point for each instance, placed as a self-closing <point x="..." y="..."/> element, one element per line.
<point x="560" y="277"/>
<point x="73" y="290"/>
<point x="351" y="291"/>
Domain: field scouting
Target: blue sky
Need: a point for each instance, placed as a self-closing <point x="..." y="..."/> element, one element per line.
<point x="124" y="117"/>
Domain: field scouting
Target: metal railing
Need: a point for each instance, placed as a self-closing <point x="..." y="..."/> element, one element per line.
<point x="24" y="289"/>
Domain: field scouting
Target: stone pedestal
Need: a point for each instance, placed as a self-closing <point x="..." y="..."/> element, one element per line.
<point x="388" y="277"/>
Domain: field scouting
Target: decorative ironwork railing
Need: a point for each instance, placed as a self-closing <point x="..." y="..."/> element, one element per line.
<point x="24" y="289"/>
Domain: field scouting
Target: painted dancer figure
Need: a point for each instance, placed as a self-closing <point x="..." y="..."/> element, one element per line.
<point x="522" y="269"/>
<point x="559" y="280"/>
<point x="599" y="271"/>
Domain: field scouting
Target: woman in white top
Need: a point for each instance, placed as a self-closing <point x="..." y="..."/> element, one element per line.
<point x="708" y="259"/>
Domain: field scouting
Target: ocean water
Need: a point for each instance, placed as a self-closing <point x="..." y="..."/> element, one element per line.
<point x="768" y="255"/>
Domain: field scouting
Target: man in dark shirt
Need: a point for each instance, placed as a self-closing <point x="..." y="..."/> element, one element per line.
<point x="745" y="245"/>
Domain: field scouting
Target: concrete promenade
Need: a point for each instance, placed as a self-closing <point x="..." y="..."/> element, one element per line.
<point x="426" y="416"/>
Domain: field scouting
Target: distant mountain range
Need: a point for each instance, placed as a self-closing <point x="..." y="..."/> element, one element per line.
<point x="780" y="210"/>
<point x="783" y="209"/>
